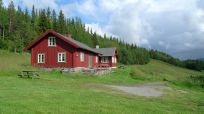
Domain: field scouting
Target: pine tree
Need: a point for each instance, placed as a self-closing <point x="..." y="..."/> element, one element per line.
<point x="33" y="16"/>
<point x="1" y="4"/>
<point x="1" y="25"/>
<point x="11" y="12"/>
<point x="26" y="16"/>
<point x="48" y="14"/>
<point x="20" y="28"/>
<point x="54" y="20"/>
<point x="94" y="39"/>
<point x="43" y="22"/>
<point x="61" y="23"/>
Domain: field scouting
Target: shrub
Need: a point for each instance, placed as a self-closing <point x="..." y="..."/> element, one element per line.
<point x="136" y="74"/>
<point x="197" y="80"/>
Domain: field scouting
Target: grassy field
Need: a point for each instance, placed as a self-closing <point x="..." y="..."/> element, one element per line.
<point x="77" y="93"/>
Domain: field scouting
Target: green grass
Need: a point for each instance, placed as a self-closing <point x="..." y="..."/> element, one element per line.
<point x="77" y="93"/>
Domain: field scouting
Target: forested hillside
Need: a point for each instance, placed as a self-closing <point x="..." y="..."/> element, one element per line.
<point x="18" y="27"/>
<point x="201" y="59"/>
<point x="190" y="64"/>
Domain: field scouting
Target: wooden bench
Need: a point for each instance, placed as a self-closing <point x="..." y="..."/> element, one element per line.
<point x="29" y="74"/>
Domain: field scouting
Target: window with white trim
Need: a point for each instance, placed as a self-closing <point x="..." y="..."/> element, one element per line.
<point x="61" y="57"/>
<point x="51" y="41"/>
<point x="96" y="59"/>
<point x="81" y="56"/>
<point x="104" y="59"/>
<point x="113" y="59"/>
<point x="41" y="58"/>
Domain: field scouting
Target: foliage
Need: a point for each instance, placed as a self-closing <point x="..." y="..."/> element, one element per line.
<point x="19" y="28"/>
<point x="197" y="80"/>
<point x="194" y="64"/>
<point x="190" y="64"/>
<point x="77" y="93"/>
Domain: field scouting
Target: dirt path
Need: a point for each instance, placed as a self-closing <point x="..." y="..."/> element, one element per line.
<point x="155" y="89"/>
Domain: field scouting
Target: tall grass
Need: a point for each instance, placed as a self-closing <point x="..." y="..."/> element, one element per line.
<point x="12" y="63"/>
<point x="77" y="93"/>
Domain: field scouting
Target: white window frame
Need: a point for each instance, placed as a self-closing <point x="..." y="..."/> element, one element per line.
<point x="51" y="41"/>
<point x="96" y="59"/>
<point x="82" y="56"/>
<point x="113" y="59"/>
<point x="41" y="58"/>
<point x="104" y="59"/>
<point x="61" y="57"/>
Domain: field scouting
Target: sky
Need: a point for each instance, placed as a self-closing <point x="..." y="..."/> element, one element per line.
<point x="172" y="26"/>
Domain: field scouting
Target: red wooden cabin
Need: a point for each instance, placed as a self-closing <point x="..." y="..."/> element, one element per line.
<point x="52" y="50"/>
<point x="108" y="57"/>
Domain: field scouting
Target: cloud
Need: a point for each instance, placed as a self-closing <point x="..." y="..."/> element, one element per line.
<point x="172" y="26"/>
<point x="29" y="3"/>
<point x="87" y="8"/>
<point x="158" y="24"/>
<point x="40" y="3"/>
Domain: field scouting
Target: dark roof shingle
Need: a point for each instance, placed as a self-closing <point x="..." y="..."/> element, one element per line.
<point x="106" y="51"/>
<point x="81" y="45"/>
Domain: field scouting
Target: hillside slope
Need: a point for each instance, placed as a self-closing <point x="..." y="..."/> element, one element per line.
<point x="76" y="93"/>
<point x="158" y="70"/>
<point x="13" y="63"/>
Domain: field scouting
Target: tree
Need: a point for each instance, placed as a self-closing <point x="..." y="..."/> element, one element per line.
<point x="94" y="39"/>
<point x="48" y="14"/>
<point x="43" y="22"/>
<point x="20" y="28"/>
<point x="26" y="16"/>
<point x="1" y="4"/>
<point x="54" y="20"/>
<point x="33" y="16"/>
<point x="61" y="23"/>
<point x="11" y="12"/>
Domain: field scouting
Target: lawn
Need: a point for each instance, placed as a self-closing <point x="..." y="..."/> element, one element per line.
<point x="78" y="93"/>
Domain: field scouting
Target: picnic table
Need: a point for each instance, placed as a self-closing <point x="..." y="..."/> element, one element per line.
<point x="29" y="74"/>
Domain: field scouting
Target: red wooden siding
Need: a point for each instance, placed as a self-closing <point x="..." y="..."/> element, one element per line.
<point x="68" y="46"/>
<point x="85" y="63"/>
<point x="109" y="63"/>
<point x="51" y="53"/>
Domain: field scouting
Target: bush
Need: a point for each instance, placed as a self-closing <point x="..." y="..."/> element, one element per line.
<point x="197" y="80"/>
<point x="3" y="44"/>
<point x="136" y="74"/>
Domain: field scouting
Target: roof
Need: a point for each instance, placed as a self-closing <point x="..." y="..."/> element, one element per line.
<point x="106" y="51"/>
<point x="81" y="45"/>
<point x="71" y="41"/>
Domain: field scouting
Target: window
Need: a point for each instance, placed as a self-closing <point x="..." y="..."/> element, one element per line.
<point x="104" y="60"/>
<point x="61" y="57"/>
<point x="113" y="59"/>
<point x="41" y="58"/>
<point x="96" y="59"/>
<point x="81" y="56"/>
<point x="51" y="41"/>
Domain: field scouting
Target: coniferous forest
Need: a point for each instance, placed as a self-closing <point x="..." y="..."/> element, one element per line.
<point x="18" y="27"/>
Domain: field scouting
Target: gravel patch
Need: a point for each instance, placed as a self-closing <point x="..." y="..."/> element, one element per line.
<point x="155" y="89"/>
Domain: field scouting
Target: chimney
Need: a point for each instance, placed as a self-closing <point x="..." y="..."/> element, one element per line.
<point x="69" y="35"/>
<point x="97" y="46"/>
